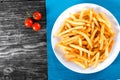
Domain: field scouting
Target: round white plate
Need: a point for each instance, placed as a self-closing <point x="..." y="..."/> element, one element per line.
<point x="116" y="47"/>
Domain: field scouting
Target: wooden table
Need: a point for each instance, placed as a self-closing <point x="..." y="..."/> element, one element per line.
<point x="23" y="54"/>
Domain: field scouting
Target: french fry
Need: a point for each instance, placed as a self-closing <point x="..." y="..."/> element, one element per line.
<point x="74" y="23"/>
<point x="82" y="13"/>
<point x="80" y="44"/>
<point x="80" y="64"/>
<point x="91" y="14"/>
<point x="72" y="16"/>
<point x="96" y="59"/>
<point x="70" y="40"/>
<point x="63" y="47"/>
<point x="80" y="48"/>
<point x="68" y="35"/>
<point x="60" y="29"/>
<point x="69" y="30"/>
<point x="105" y="19"/>
<point x="93" y="34"/>
<point x="95" y="21"/>
<point x="68" y="25"/>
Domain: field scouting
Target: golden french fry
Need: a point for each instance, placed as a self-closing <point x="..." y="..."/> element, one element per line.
<point x="80" y="64"/>
<point x="91" y="14"/>
<point x="110" y="45"/>
<point x="60" y="29"/>
<point x="74" y="23"/>
<point x="93" y="34"/>
<point x="105" y="19"/>
<point x="82" y="13"/>
<point x="96" y="59"/>
<point x="80" y="44"/>
<point x="69" y="30"/>
<point x="72" y="16"/>
<point x="80" y="48"/>
<point x="63" y="47"/>
<point x="95" y="21"/>
<point x="68" y="35"/>
<point x="70" y="40"/>
<point x="68" y="25"/>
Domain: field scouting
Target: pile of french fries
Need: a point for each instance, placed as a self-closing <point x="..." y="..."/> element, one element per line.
<point x="86" y="37"/>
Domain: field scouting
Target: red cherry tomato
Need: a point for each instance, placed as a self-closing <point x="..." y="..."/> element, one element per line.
<point x="28" y="22"/>
<point x="36" y="26"/>
<point x="37" y="15"/>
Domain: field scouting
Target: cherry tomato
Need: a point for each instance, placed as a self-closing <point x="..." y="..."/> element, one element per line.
<point x="36" y="26"/>
<point x="37" y="15"/>
<point x="28" y="22"/>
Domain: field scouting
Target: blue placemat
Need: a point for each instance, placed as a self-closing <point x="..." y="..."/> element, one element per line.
<point x="56" y="71"/>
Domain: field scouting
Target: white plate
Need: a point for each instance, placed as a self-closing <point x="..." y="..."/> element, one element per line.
<point x="114" y="52"/>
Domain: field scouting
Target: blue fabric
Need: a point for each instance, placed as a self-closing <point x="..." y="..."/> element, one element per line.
<point x="56" y="71"/>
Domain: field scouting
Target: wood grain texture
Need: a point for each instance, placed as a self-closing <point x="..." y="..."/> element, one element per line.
<point x="23" y="54"/>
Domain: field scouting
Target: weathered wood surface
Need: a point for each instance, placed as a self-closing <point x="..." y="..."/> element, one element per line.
<point x="23" y="54"/>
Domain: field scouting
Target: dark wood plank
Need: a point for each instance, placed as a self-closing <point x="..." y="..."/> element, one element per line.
<point x="23" y="54"/>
